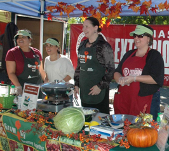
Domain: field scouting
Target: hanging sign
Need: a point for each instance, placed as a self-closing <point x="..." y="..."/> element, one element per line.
<point x="5" y="16"/>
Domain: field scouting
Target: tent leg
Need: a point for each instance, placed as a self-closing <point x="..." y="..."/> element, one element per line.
<point x="41" y="27"/>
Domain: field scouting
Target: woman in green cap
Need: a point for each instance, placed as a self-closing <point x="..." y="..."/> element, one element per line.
<point x="57" y="66"/>
<point x="139" y="74"/>
<point x="23" y="62"/>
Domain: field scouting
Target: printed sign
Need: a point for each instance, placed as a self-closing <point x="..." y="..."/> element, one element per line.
<point x="29" y="96"/>
<point x="5" y="16"/>
<point x="15" y="128"/>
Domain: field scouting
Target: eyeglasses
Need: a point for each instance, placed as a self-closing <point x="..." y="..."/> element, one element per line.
<point x="139" y="36"/>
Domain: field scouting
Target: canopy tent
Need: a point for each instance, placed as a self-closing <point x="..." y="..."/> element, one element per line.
<point x="37" y="8"/>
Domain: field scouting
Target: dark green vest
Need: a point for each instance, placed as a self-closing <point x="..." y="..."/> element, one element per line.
<point x="91" y="73"/>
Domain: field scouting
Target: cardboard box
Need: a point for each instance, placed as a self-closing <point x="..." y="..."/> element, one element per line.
<point x="105" y="131"/>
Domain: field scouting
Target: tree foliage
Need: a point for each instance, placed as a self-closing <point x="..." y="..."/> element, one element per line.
<point x="154" y="20"/>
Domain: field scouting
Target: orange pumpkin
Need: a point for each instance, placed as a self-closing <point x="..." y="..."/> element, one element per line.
<point x="142" y="137"/>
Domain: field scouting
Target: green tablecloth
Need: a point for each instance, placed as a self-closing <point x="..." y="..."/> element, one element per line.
<point x="13" y="126"/>
<point x="153" y="148"/>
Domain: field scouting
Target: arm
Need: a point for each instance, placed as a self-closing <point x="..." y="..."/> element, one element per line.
<point x="76" y="79"/>
<point x="69" y="70"/>
<point x="108" y="63"/>
<point x="145" y="79"/>
<point x="119" y="78"/>
<point x="118" y="71"/>
<point x="46" y="79"/>
<point x="11" y="68"/>
<point x="76" y="91"/>
<point x="153" y="72"/>
<point x="42" y="72"/>
<point x="142" y="78"/>
<point x="67" y="78"/>
<point x="77" y="73"/>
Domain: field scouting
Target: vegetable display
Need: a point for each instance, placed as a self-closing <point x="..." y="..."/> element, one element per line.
<point x="69" y="120"/>
<point x="142" y="137"/>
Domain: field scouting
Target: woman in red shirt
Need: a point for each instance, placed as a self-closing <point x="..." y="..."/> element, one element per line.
<point x="23" y="62"/>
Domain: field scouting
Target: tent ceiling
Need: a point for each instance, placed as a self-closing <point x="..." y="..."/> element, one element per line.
<point x="33" y="7"/>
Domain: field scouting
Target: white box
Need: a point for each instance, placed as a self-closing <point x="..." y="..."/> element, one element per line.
<point x="105" y="131"/>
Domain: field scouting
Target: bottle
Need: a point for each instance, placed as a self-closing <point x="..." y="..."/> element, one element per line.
<point x="159" y="119"/>
<point x="12" y="90"/>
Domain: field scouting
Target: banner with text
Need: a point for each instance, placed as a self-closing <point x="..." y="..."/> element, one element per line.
<point x="120" y="40"/>
<point x="15" y="129"/>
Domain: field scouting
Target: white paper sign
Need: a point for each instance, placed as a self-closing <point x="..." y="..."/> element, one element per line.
<point x="29" y="96"/>
<point x="166" y="112"/>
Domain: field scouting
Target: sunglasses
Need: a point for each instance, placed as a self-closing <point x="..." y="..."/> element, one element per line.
<point x="139" y="36"/>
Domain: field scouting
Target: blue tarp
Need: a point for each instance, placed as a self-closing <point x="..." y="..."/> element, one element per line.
<point x="33" y="7"/>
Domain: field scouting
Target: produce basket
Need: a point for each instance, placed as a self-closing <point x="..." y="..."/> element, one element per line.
<point x="7" y="101"/>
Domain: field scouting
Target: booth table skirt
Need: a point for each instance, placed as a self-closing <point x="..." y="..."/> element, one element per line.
<point x="13" y="137"/>
<point x="152" y="148"/>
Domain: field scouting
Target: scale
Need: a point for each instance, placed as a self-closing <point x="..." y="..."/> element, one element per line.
<point x="57" y="94"/>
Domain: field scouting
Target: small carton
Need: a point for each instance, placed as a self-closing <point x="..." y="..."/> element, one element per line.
<point x="105" y="131"/>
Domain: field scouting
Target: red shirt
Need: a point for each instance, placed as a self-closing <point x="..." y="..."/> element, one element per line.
<point x="15" y="54"/>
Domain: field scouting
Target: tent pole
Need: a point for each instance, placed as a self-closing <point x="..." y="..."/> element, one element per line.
<point x="63" y="38"/>
<point x="41" y="26"/>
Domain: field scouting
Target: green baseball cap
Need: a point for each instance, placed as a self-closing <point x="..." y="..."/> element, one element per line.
<point x="23" y="33"/>
<point x="52" y="42"/>
<point x="141" y="30"/>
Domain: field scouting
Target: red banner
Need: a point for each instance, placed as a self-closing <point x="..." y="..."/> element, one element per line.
<point x="2" y="27"/>
<point x="120" y="40"/>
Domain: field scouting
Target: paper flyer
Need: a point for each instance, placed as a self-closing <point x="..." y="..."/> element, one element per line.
<point x="29" y="96"/>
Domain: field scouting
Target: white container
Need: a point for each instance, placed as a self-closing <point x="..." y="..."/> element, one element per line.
<point x="105" y="131"/>
<point x="4" y="90"/>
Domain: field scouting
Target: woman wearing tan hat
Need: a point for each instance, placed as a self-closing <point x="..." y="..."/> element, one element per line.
<point x="139" y="74"/>
<point x="23" y="62"/>
<point x="57" y="66"/>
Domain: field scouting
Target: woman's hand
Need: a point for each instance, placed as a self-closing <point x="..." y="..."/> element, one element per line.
<point x="122" y="81"/>
<point x="76" y="91"/>
<point x="129" y="79"/>
<point x="19" y="90"/>
<point x="95" y="90"/>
